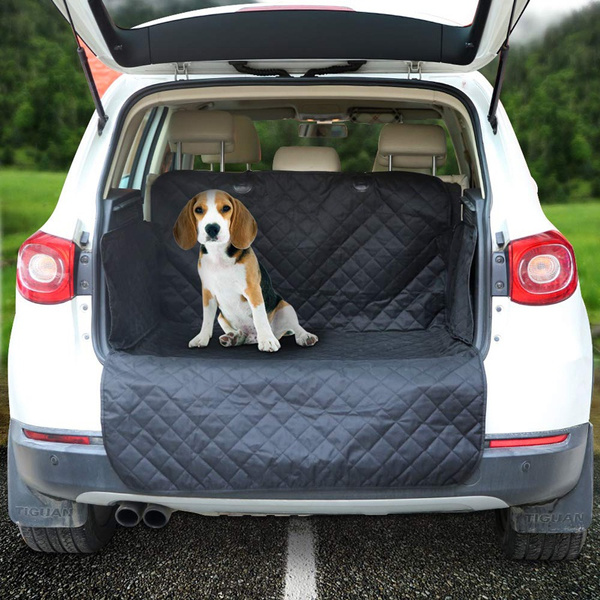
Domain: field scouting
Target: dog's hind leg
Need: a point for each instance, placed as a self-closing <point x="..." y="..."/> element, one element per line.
<point x="285" y="322"/>
<point x="232" y="336"/>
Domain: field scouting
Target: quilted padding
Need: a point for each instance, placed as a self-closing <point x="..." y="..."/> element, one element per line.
<point x="355" y="253"/>
<point x="358" y="410"/>
<point x="392" y="396"/>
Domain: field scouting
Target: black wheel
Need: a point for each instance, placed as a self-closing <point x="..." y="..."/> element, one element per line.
<point x="537" y="546"/>
<point x="90" y="537"/>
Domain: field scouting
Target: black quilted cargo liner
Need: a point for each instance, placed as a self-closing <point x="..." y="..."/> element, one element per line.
<point x="392" y="396"/>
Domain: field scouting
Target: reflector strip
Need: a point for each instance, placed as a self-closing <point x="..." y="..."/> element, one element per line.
<point x="54" y="437"/>
<point x="539" y="441"/>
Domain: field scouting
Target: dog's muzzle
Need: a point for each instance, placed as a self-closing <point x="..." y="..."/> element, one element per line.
<point x="212" y="230"/>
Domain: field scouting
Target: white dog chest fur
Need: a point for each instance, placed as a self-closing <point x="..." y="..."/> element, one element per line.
<point x="225" y="278"/>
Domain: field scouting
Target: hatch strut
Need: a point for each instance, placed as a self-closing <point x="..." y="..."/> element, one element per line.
<point x="492" y="117"/>
<point x="85" y="65"/>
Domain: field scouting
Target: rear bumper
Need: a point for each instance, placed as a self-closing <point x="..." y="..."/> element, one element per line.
<point x="504" y="477"/>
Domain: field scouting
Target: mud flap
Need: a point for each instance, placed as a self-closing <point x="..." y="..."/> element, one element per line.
<point x="570" y="514"/>
<point x="29" y="508"/>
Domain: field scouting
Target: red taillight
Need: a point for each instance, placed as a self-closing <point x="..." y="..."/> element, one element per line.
<point x="542" y="268"/>
<point x="45" y="269"/>
<point x="539" y="441"/>
<point x="56" y="437"/>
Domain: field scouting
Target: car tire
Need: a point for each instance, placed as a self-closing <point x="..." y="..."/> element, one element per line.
<point x="86" y="539"/>
<point x="537" y="546"/>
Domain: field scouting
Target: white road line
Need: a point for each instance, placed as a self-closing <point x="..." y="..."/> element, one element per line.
<point x="301" y="569"/>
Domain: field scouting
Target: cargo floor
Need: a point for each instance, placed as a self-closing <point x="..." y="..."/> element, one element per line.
<point x="358" y="410"/>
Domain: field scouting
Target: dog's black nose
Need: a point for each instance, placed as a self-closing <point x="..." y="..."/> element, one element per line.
<point x="212" y="230"/>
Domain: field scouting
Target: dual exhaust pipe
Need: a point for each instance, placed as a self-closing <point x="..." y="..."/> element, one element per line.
<point x="129" y="514"/>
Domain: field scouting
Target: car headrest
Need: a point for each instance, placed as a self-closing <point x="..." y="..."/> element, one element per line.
<point x="201" y="132"/>
<point x="411" y="146"/>
<point x="306" y="158"/>
<point x="246" y="144"/>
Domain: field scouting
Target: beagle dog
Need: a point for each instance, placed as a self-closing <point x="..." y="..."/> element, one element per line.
<point x="233" y="281"/>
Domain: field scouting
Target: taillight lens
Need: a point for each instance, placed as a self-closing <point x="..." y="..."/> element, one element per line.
<point x="520" y="442"/>
<point x="57" y="437"/>
<point x="45" y="269"/>
<point x="543" y="269"/>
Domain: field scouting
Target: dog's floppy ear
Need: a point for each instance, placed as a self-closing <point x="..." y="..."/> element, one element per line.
<point x="185" y="230"/>
<point x="243" y="228"/>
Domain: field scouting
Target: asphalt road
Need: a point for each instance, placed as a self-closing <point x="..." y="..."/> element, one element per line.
<point x="402" y="557"/>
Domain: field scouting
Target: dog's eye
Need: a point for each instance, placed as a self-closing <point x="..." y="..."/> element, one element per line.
<point x="199" y="210"/>
<point x="226" y="208"/>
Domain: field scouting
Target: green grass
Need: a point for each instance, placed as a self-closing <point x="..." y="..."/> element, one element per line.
<point x="580" y="223"/>
<point x="27" y="199"/>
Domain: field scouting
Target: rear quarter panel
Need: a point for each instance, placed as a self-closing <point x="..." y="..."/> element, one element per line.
<point x="539" y="364"/>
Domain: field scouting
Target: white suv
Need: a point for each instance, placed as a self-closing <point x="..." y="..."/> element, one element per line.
<point x="454" y="365"/>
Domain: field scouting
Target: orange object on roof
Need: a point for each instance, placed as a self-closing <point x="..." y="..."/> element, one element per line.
<point x="103" y="76"/>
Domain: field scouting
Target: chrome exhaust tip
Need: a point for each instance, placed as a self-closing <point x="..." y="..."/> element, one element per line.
<point x="156" y="516"/>
<point x="129" y="514"/>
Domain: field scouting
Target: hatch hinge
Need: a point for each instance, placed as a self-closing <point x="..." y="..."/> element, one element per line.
<point x="500" y="273"/>
<point x="492" y="116"/>
<point x="414" y="68"/>
<point x="181" y="70"/>
<point x="85" y="65"/>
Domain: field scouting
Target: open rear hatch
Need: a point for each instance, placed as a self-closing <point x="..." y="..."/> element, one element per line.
<point x="297" y="36"/>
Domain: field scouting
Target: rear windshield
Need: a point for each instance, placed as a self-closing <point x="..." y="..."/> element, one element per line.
<point x="129" y="13"/>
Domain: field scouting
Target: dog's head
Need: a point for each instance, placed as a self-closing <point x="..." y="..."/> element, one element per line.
<point x="215" y="217"/>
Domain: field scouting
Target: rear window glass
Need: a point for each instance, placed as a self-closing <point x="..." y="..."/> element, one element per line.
<point x="129" y="13"/>
<point x="357" y="151"/>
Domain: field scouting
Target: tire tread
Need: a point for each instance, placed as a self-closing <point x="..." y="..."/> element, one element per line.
<point x="538" y="546"/>
<point x="89" y="537"/>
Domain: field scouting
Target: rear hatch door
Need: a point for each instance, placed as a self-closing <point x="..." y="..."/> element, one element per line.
<point x="429" y="35"/>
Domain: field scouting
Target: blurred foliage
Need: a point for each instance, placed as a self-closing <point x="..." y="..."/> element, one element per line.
<point x="44" y="101"/>
<point x="552" y="95"/>
<point x="551" y="92"/>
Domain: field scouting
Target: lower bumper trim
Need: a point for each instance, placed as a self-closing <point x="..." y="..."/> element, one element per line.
<point x="263" y="507"/>
<point x="504" y="477"/>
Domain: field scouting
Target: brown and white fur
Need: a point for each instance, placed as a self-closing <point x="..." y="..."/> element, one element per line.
<point x="232" y="279"/>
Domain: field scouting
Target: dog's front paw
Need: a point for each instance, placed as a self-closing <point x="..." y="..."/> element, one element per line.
<point x="200" y="341"/>
<point x="270" y="344"/>
<point x="306" y="339"/>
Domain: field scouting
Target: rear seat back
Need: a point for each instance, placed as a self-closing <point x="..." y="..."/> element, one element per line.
<point x="246" y="145"/>
<point x="409" y="147"/>
<point x="201" y="132"/>
<point x="415" y="148"/>
<point x="358" y="252"/>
